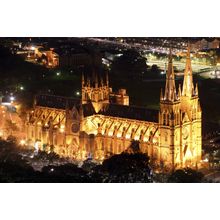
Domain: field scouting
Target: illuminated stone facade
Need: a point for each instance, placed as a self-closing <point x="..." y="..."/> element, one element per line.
<point x="96" y="127"/>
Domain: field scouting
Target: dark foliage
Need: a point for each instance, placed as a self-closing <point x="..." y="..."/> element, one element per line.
<point x="15" y="168"/>
<point x="186" y="175"/>
<point x="125" y="168"/>
<point x="67" y="173"/>
<point x="131" y="65"/>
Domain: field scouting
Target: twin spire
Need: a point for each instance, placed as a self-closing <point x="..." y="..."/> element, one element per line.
<point x="170" y="93"/>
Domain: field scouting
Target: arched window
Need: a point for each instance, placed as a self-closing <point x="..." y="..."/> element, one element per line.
<point x="119" y="148"/>
<point x="102" y="147"/>
<point x="165" y="136"/>
<point x="111" y="147"/>
<point x="164" y="118"/>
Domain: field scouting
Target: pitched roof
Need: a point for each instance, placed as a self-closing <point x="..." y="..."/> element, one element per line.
<point x="114" y="110"/>
<point x="130" y="112"/>
<point x="57" y="102"/>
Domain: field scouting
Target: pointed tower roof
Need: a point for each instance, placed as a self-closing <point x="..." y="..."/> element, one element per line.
<point x="188" y="79"/>
<point x="96" y="80"/>
<point x="170" y="89"/>
<point x="106" y="77"/>
<point x="83" y="80"/>
<point x="161" y="94"/>
<point x="88" y="82"/>
<point x="179" y="91"/>
<point x="196" y="90"/>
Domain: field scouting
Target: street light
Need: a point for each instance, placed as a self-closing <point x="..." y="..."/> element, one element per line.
<point x="12" y="98"/>
<point x="77" y="93"/>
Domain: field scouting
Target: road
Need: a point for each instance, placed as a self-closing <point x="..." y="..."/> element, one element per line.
<point x="179" y="65"/>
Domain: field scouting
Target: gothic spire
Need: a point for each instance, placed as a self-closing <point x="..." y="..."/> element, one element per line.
<point x="96" y="80"/>
<point x="188" y="80"/>
<point x="196" y="90"/>
<point x="161" y="94"/>
<point x="179" y="91"/>
<point x="101" y="82"/>
<point x="170" y="89"/>
<point x="106" y="76"/>
<point x="83" y="80"/>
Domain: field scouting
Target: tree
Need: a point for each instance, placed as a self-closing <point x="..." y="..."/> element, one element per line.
<point x="13" y="167"/>
<point x="45" y="157"/>
<point x="155" y="69"/>
<point x="154" y="72"/>
<point x="125" y="167"/>
<point x="186" y="175"/>
<point x="67" y="173"/>
<point x="131" y="64"/>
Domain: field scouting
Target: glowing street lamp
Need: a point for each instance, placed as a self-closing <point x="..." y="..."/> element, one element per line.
<point x="32" y="48"/>
<point x="12" y="98"/>
<point x="77" y="93"/>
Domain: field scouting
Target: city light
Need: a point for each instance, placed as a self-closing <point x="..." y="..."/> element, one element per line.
<point x="32" y="48"/>
<point x="58" y="73"/>
<point x="22" y="142"/>
<point x="21" y="88"/>
<point x="206" y="160"/>
<point x="12" y="98"/>
<point x="77" y="93"/>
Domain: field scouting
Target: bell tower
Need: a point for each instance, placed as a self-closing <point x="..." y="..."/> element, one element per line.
<point x="95" y="90"/>
<point x="191" y="120"/>
<point x="180" y="121"/>
<point x="169" y="121"/>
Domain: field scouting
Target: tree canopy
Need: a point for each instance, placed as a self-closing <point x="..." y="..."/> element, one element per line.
<point x="186" y="175"/>
<point x="125" y="168"/>
<point x="131" y="64"/>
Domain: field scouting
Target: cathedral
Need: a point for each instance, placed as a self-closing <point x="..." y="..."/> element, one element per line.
<point x="102" y="123"/>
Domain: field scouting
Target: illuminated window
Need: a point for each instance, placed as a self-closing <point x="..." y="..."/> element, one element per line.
<point x="111" y="147"/>
<point x="55" y="140"/>
<point x="119" y="148"/>
<point x="165" y="136"/>
<point x="164" y="119"/>
<point x="103" y="147"/>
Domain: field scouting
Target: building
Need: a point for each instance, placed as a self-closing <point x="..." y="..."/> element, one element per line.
<point x="205" y="44"/>
<point x="214" y="44"/>
<point x="49" y="58"/>
<point x="96" y="127"/>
